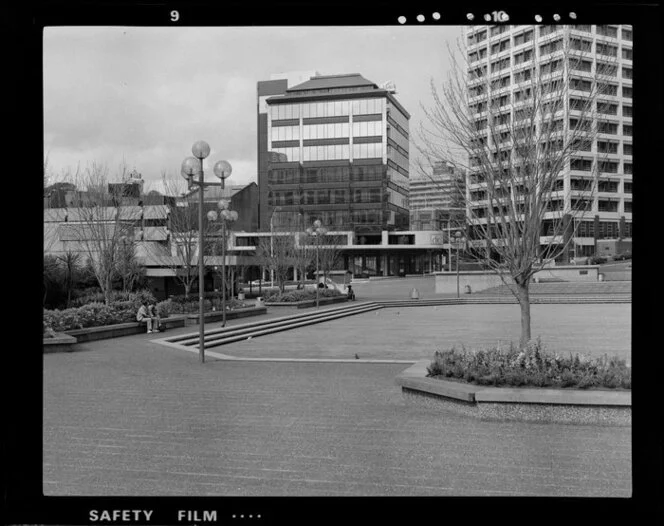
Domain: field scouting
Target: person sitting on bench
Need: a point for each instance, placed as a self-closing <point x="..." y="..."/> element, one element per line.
<point x="350" y="294"/>
<point x="154" y="315"/>
<point x="143" y="316"/>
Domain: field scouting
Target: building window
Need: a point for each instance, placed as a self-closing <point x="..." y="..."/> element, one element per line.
<point x="627" y="54"/>
<point x="584" y="165"/>
<point x="609" y="70"/>
<point x="580" y="84"/>
<point x="627" y="149"/>
<point x="608" y="186"/>
<point x="627" y="111"/>
<point x="501" y="64"/>
<point x="627" y="187"/>
<point x="586" y="28"/>
<point x="627" y="92"/>
<point x="524" y="56"/>
<point x="607" y="89"/>
<point x="607" y="31"/>
<point x="522" y="38"/>
<point x="547" y="30"/>
<point x="627" y="73"/>
<point x="607" y="127"/>
<point x="628" y="210"/>
<point x="628" y="168"/>
<point x="607" y="108"/>
<point x="606" y="206"/>
<point x="498" y="30"/>
<point x="580" y="44"/>
<point x="627" y="34"/>
<point x="606" y="49"/>
<point x="581" y="65"/>
<point x="627" y="130"/>
<point x="608" y="167"/>
<point x="607" y="147"/>
<point x="551" y="47"/>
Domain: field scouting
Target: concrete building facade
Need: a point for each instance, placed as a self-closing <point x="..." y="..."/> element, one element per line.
<point x="506" y="53"/>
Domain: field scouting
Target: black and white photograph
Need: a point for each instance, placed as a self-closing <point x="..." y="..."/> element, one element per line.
<point x="345" y="260"/>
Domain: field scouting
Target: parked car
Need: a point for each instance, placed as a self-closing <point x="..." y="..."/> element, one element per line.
<point x="622" y="257"/>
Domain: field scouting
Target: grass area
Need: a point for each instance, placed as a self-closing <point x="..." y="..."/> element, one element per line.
<point x="415" y="333"/>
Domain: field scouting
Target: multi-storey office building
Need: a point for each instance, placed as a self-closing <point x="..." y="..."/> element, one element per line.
<point x="435" y="200"/>
<point x="333" y="148"/>
<point x="508" y="54"/>
<point x="442" y="189"/>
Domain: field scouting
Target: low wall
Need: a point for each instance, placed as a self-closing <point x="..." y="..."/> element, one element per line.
<point x="230" y="314"/>
<point x="565" y="406"/>
<point x="446" y="282"/>
<point x="60" y="343"/>
<point x="569" y="273"/>
<point x="308" y="303"/>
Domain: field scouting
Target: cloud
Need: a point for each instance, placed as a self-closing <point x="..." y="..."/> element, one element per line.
<point x="146" y="95"/>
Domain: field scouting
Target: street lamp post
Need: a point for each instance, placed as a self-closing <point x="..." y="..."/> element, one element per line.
<point x="226" y="216"/>
<point x="272" y="245"/>
<point x="191" y="167"/>
<point x="317" y="231"/>
<point x="458" y="240"/>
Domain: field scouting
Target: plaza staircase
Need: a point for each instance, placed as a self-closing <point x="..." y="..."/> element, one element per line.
<point x="217" y="337"/>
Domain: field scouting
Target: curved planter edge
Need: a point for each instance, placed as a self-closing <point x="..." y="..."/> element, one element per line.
<point x="573" y="406"/>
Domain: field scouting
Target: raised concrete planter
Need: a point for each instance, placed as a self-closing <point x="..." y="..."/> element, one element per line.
<point x="477" y="280"/>
<point x="60" y="343"/>
<point x="121" y="329"/>
<point x="230" y="314"/>
<point x="308" y="303"/>
<point x="568" y="406"/>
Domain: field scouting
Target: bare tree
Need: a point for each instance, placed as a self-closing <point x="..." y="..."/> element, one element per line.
<point x="329" y="252"/>
<point x="183" y="224"/>
<point x="278" y="254"/>
<point x="129" y="269"/>
<point x="303" y="256"/>
<point x="514" y="144"/>
<point x="71" y="266"/>
<point x="99" y="224"/>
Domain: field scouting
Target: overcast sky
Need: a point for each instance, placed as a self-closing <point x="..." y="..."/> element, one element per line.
<point x="146" y="95"/>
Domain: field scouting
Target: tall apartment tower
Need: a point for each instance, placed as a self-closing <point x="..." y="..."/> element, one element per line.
<point x="507" y="51"/>
<point x="333" y="148"/>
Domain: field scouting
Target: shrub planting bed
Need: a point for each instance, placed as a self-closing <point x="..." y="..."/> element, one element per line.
<point x="305" y="298"/>
<point x="532" y="366"/>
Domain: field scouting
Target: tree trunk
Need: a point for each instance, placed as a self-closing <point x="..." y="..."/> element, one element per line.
<point x="524" y="302"/>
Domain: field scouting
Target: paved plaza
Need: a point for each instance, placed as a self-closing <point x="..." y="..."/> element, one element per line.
<point x="128" y="416"/>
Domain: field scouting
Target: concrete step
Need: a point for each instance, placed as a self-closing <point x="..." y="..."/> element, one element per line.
<point x="272" y="328"/>
<point x="259" y="323"/>
<point x="259" y="328"/>
<point x="269" y="324"/>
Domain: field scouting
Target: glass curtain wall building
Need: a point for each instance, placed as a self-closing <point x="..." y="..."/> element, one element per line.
<point x="333" y="148"/>
<point x="507" y="55"/>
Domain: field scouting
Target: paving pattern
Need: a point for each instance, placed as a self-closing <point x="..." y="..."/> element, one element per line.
<point x="130" y="417"/>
